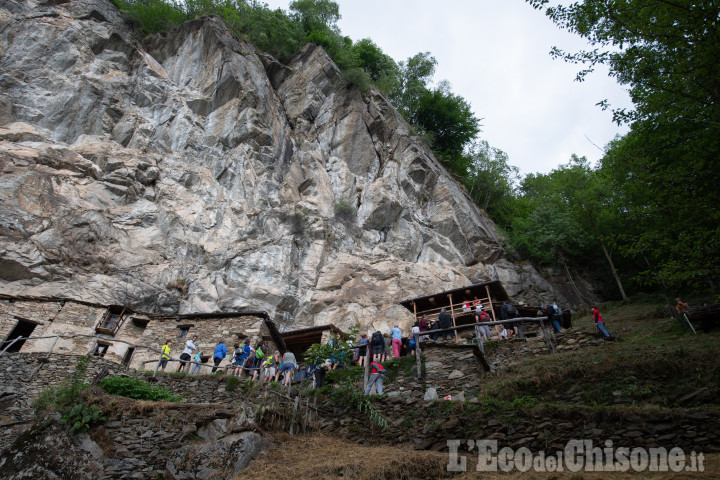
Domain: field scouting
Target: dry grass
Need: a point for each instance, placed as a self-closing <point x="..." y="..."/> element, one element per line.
<point x="321" y="457"/>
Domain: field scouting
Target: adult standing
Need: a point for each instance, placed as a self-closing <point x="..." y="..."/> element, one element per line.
<point x="289" y="364"/>
<point x="508" y="312"/>
<point x="271" y="366"/>
<point x="446" y="322"/>
<point x="377" y="345"/>
<point x="396" y="340"/>
<point x="599" y="323"/>
<point x="376" y="377"/>
<point x="187" y="353"/>
<point x="557" y="318"/>
<point x="219" y="355"/>
<point x="549" y="311"/>
<point x="362" y="349"/>
<point x="484" y="329"/>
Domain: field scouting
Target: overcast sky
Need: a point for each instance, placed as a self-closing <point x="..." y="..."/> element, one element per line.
<point x="495" y="55"/>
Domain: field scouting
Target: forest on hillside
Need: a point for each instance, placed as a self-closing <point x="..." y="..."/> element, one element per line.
<point x="644" y="218"/>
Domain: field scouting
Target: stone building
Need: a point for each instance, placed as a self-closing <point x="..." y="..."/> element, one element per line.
<point x="120" y="334"/>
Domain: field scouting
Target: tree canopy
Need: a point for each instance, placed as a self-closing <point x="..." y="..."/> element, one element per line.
<point x="663" y="176"/>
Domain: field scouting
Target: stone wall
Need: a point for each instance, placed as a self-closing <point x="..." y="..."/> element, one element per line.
<point x="21" y="381"/>
<point x="68" y="318"/>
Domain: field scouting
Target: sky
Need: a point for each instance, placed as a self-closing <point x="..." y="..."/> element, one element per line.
<point x="495" y="54"/>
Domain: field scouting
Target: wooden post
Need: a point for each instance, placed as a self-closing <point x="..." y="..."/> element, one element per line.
<point x="550" y="345"/>
<point x="307" y="412"/>
<point x="452" y="315"/>
<point x="415" y="311"/>
<point x="296" y="406"/>
<point x="417" y="355"/>
<point x="13" y="343"/>
<point x="492" y="310"/>
<point x="366" y="374"/>
<point x="480" y="340"/>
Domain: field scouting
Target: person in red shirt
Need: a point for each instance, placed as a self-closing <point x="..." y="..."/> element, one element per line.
<point x="599" y="322"/>
<point x="377" y="373"/>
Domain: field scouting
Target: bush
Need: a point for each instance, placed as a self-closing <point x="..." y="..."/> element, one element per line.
<point x="153" y="16"/>
<point x="345" y="211"/>
<point x="355" y="76"/>
<point x="66" y="394"/>
<point x="137" y="389"/>
<point x="81" y="417"/>
<point x="231" y="383"/>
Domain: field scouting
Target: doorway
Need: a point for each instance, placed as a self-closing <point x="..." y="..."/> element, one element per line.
<point x="23" y="328"/>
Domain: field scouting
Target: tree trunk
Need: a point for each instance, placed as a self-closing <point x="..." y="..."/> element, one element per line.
<point x="614" y="272"/>
<point x="570" y="279"/>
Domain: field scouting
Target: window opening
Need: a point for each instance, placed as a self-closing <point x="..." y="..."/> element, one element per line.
<point x="23" y="328"/>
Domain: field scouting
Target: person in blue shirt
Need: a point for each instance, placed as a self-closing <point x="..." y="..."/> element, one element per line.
<point x="396" y="340"/>
<point x="219" y="355"/>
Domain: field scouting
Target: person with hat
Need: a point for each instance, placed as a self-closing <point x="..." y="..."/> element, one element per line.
<point x="434" y="326"/>
<point x="445" y="321"/>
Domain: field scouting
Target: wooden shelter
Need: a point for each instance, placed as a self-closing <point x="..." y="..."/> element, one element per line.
<point x="460" y="303"/>
<point x="298" y="341"/>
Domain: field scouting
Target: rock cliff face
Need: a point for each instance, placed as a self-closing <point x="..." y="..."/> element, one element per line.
<point x="190" y="172"/>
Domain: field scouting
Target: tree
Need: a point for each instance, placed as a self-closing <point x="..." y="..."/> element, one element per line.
<point x="415" y="74"/>
<point x="664" y="173"/>
<point x="381" y="68"/>
<point x="491" y="181"/>
<point x="449" y="118"/>
<point x="320" y="15"/>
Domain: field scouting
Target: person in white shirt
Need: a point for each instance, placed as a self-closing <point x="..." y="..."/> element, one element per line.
<point x="187" y="353"/>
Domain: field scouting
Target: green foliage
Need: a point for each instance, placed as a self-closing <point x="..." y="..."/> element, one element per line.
<point x="137" y="389"/>
<point x="67" y="393"/>
<point x="490" y="181"/>
<point x="357" y="78"/>
<point x="81" y="417"/>
<point x="449" y="118"/>
<point x="153" y="16"/>
<point x="231" y="383"/>
<point x="316" y="15"/>
<point x="663" y="174"/>
<point x="345" y="211"/>
<point x="337" y="350"/>
<point x="65" y="399"/>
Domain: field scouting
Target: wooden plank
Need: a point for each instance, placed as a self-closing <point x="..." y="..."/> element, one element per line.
<point x="417" y="355"/>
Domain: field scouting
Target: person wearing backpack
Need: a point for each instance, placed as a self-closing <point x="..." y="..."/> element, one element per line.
<point x="557" y="318"/>
<point x="508" y="312"/>
<point x="377" y="344"/>
<point x="377" y="373"/>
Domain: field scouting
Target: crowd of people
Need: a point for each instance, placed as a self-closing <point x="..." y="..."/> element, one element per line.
<point x="257" y="363"/>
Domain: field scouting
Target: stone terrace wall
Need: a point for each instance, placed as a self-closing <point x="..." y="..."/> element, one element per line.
<point x="20" y="385"/>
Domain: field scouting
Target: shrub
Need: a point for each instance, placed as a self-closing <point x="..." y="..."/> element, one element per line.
<point x="345" y="211"/>
<point x="137" y="389"/>
<point x="355" y="76"/>
<point x="231" y="383"/>
<point x="81" y="417"/>
<point x="66" y="394"/>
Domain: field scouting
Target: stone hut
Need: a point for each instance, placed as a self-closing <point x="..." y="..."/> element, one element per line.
<point x="120" y="334"/>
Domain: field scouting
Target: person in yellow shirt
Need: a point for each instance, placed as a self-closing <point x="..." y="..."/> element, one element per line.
<point x="165" y="354"/>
